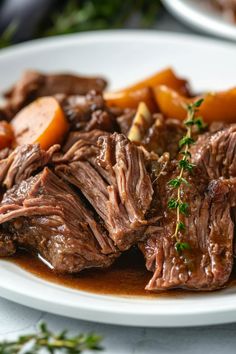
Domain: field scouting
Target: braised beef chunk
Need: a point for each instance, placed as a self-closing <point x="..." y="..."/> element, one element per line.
<point x="208" y="263"/>
<point x="215" y="153"/>
<point x="45" y="215"/>
<point x="4" y="153"/>
<point x="85" y="138"/>
<point x="113" y="178"/>
<point x="211" y="198"/>
<point x="125" y="119"/>
<point x="34" y="84"/>
<point x="22" y="162"/>
<point x="87" y="112"/>
<point x="163" y="136"/>
<point x="7" y="244"/>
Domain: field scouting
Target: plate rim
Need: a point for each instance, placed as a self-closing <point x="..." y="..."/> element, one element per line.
<point x="124" y="315"/>
<point x="129" y="312"/>
<point x="105" y="35"/>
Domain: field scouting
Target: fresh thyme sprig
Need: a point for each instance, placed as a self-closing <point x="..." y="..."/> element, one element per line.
<point x="77" y="16"/>
<point x="185" y="165"/>
<point x="51" y="343"/>
<point x="7" y="36"/>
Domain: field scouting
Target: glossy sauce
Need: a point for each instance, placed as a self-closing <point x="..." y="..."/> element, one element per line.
<point x="128" y="276"/>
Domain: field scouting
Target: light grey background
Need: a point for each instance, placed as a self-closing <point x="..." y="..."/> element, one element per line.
<point x="16" y="319"/>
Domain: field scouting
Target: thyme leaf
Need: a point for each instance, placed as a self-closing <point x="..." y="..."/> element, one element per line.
<point x="181" y="226"/>
<point x="186" y="165"/>
<point x="182" y="246"/>
<point x="186" y="140"/>
<point x="198" y="103"/>
<point x="173" y="204"/>
<point x="175" y="182"/>
<point x="183" y="208"/>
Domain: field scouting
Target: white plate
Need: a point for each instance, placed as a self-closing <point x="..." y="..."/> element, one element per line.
<point x="122" y="57"/>
<point x="199" y="14"/>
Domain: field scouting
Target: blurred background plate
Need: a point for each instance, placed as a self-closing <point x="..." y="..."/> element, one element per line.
<point x="202" y="15"/>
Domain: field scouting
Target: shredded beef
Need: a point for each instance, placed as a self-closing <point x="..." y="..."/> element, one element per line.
<point x="163" y="136"/>
<point x="112" y="176"/>
<point x="45" y="215"/>
<point x="215" y="153"/>
<point x="209" y="225"/>
<point x="22" y="162"/>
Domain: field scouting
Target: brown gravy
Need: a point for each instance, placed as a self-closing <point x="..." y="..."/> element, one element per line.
<point x="128" y="276"/>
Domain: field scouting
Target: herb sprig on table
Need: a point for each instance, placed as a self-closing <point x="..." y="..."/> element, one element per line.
<point x="6" y="37"/>
<point x="51" y="343"/>
<point x="71" y="16"/>
<point x="184" y="165"/>
<point x="77" y="16"/>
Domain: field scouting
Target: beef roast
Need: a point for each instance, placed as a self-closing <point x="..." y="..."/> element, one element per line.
<point x="43" y="214"/>
<point x="34" y="84"/>
<point x="209" y="225"/>
<point x="87" y="112"/>
<point x="112" y="176"/>
<point x="215" y="153"/>
<point x="125" y="119"/>
<point x="84" y="139"/>
<point x="163" y="136"/>
<point x="22" y="162"/>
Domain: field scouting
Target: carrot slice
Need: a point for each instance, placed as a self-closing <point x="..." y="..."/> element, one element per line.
<point x="131" y="99"/>
<point x="219" y="106"/>
<point x="165" y="77"/>
<point x="6" y="134"/>
<point x="42" y="121"/>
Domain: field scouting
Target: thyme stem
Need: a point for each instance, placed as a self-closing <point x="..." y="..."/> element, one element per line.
<point x="184" y="165"/>
<point x="190" y="116"/>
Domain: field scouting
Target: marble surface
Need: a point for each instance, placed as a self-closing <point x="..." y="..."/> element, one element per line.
<point x="16" y="319"/>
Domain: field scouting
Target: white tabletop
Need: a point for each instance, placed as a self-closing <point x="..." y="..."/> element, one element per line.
<point x="16" y="319"/>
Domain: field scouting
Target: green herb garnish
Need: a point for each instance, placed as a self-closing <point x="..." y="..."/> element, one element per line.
<point x="73" y="16"/>
<point x="7" y="36"/>
<point x="48" y="342"/>
<point x="185" y="165"/>
<point x="87" y="15"/>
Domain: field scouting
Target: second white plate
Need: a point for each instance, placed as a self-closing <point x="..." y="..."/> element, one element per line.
<point x="200" y="15"/>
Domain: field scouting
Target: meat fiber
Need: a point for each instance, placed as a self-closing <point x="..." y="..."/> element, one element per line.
<point x="23" y="162"/>
<point x="210" y="195"/>
<point x="113" y="177"/>
<point x="43" y="214"/>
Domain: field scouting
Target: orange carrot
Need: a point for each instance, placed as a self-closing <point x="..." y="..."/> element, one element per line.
<point x="6" y="134"/>
<point x="131" y="99"/>
<point x="219" y="106"/>
<point x="165" y="77"/>
<point x="42" y="121"/>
